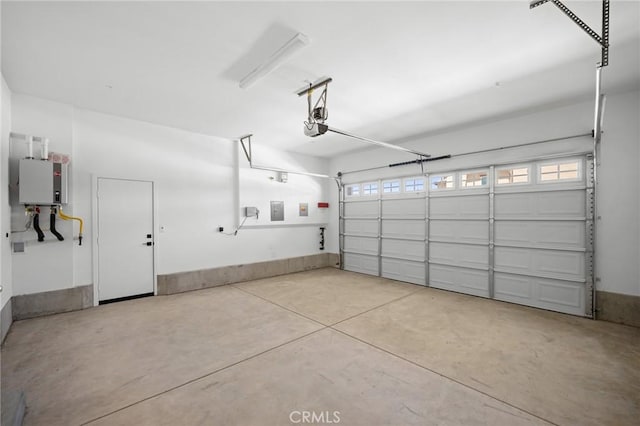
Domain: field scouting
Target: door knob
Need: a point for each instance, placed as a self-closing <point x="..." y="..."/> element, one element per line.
<point x="148" y="243"/>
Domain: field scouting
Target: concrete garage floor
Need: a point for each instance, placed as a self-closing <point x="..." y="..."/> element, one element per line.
<point x="377" y="351"/>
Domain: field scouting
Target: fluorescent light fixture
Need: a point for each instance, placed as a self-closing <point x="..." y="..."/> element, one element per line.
<point x="274" y="61"/>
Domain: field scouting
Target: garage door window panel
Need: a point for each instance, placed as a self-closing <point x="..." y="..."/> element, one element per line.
<point x="352" y="190"/>
<point x="513" y="175"/>
<point x="391" y="187"/>
<point x="369" y="189"/>
<point x="474" y="179"/>
<point x="560" y="171"/>
<point x="442" y="182"/>
<point x="414" y="185"/>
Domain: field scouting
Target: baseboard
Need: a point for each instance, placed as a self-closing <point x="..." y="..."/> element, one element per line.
<point x="619" y="308"/>
<point x="334" y="260"/>
<point x="195" y="280"/>
<point x="6" y="319"/>
<point x="52" y="302"/>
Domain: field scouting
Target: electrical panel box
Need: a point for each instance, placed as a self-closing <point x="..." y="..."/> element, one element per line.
<point x="277" y="211"/>
<point x="42" y="182"/>
<point x="283" y="177"/>
<point x="250" y="211"/>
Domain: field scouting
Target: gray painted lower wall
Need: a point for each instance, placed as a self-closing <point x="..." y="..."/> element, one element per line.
<point x="620" y="308"/>
<point x="76" y="298"/>
<point x="52" y="302"/>
<point x="205" y="278"/>
<point x="613" y="307"/>
<point x="6" y="319"/>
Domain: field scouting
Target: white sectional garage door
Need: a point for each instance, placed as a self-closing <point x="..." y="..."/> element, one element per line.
<point x="403" y="248"/>
<point x="459" y="235"/>
<point x="519" y="233"/>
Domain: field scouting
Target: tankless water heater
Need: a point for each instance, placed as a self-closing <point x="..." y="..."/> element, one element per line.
<point x="42" y="182"/>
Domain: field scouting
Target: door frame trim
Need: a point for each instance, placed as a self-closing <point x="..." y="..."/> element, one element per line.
<point x="94" y="232"/>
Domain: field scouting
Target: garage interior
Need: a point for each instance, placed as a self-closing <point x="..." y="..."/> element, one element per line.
<point x="358" y="213"/>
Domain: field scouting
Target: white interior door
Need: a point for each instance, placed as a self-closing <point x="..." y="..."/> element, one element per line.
<point x="125" y="238"/>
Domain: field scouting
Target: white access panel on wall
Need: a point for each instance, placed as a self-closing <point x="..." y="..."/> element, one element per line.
<point x="125" y="238"/>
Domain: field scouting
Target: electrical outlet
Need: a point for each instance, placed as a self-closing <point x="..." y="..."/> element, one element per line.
<point x="220" y="229"/>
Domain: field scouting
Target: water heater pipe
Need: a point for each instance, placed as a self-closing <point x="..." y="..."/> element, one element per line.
<point x="36" y="227"/>
<point x="45" y="149"/>
<point x="65" y="217"/>
<point x="52" y="225"/>
<point x="29" y="147"/>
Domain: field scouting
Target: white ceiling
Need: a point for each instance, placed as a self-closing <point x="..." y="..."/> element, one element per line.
<point x="400" y="68"/>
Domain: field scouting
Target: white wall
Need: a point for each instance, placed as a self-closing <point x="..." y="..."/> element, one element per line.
<point x="258" y="188"/>
<point x="618" y="232"/>
<point x="5" y="211"/>
<point x="619" y="196"/>
<point x="197" y="180"/>
<point x="48" y="265"/>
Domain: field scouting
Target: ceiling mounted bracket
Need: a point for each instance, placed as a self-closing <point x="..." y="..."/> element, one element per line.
<point x="317" y="115"/>
<point x="603" y="40"/>
<point x="318" y="112"/>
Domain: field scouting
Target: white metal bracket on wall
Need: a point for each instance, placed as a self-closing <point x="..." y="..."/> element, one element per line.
<point x="603" y="41"/>
<point x="245" y="143"/>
